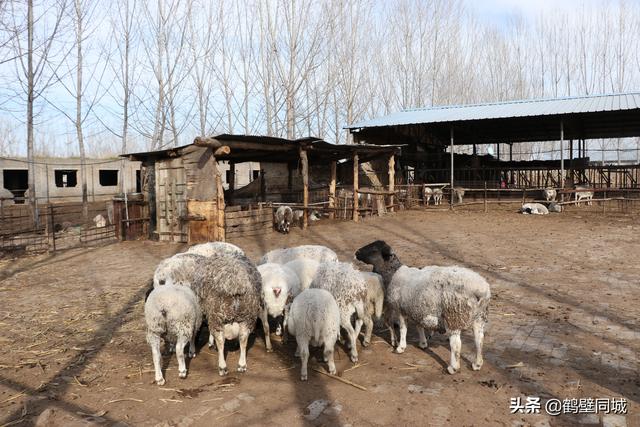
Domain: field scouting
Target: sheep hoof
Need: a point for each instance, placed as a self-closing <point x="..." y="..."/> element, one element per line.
<point x="222" y="372"/>
<point x="366" y="343"/>
<point x="400" y="350"/>
<point x="242" y="368"/>
<point x="423" y="345"/>
<point x="332" y="371"/>
<point x="303" y="377"/>
<point x="269" y="349"/>
<point x="451" y="369"/>
<point x="192" y="355"/>
<point x="182" y="374"/>
<point x="354" y="358"/>
<point x="160" y="381"/>
<point x="476" y="366"/>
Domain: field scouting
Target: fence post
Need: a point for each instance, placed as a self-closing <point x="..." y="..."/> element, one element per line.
<point x="53" y="228"/>
<point x="485" y="197"/>
<point x="524" y="194"/>
<point x="604" y="202"/>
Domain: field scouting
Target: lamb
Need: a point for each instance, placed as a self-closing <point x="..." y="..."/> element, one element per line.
<point x="427" y="192"/>
<point x="314" y="318"/>
<point x="277" y="284"/>
<point x="349" y="288"/>
<point x="306" y="270"/>
<point x="437" y="196"/>
<point x="549" y="194"/>
<point x="450" y="298"/>
<point x="458" y="192"/>
<point x="375" y="301"/>
<point x="283" y="218"/>
<point x="534" y="209"/>
<point x="213" y="248"/>
<point x="231" y="299"/>
<point x="172" y="312"/>
<point x="315" y="252"/>
<point x="582" y="194"/>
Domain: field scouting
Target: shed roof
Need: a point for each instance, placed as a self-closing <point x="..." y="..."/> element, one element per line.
<point x="594" y="116"/>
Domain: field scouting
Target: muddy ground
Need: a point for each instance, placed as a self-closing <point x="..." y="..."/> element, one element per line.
<point x="563" y="324"/>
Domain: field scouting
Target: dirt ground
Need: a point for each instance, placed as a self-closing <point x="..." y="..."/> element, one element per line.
<point x="563" y="324"/>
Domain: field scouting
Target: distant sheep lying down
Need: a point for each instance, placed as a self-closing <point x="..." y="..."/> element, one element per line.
<point x="453" y="298"/>
<point x="534" y="209"/>
<point x="173" y="313"/>
<point x="314" y="318"/>
<point x="314" y="252"/>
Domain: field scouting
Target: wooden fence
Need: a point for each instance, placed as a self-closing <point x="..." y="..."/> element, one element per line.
<point x="250" y="220"/>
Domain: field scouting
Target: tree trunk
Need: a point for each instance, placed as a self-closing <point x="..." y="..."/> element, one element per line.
<point x="30" y="94"/>
<point x="79" y="119"/>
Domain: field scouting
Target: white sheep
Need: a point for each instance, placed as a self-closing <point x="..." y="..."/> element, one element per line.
<point x="549" y="194"/>
<point x="172" y="312"/>
<point x="437" y="196"/>
<point x="534" y="209"/>
<point x="427" y="192"/>
<point x="450" y="298"/>
<point x="458" y="192"/>
<point x="306" y="270"/>
<point x="214" y="248"/>
<point x="315" y="252"/>
<point x="178" y="269"/>
<point x="583" y="193"/>
<point x="278" y="281"/>
<point x="231" y="299"/>
<point x="283" y="218"/>
<point x="375" y="302"/>
<point x="349" y="288"/>
<point x="554" y="207"/>
<point x="314" y="318"/>
<point x="100" y="221"/>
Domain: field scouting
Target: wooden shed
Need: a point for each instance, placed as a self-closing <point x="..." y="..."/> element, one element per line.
<point x="183" y="185"/>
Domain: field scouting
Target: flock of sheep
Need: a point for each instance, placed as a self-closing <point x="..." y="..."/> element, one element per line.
<point x="312" y="296"/>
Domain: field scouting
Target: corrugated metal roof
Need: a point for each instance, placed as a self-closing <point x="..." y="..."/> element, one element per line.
<point x="500" y="110"/>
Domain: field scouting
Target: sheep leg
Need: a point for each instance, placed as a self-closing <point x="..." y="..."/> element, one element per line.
<point x="455" y="344"/>
<point x="212" y="341"/>
<point x="182" y="367"/>
<point x="423" y="343"/>
<point x="297" y="353"/>
<point x="243" y="339"/>
<point x="264" y="317"/>
<point x="154" y="342"/>
<point x="478" y="335"/>
<point x="303" y="347"/>
<point x="403" y="334"/>
<point x="192" y="344"/>
<point x="368" y="330"/>
<point x="328" y="356"/>
<point x="358" y="327"/>
<point x="222" y="364"/>
<point x="353" y="338"/>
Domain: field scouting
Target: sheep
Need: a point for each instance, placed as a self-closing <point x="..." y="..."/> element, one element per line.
<point x="298" y="215"/>
<point x="178" y="269"/>
<point x="314" y="318"/>
<point x="549" y="194"/>
<point x="214" y="248"/>
<point x="554" y="207"/>
<point x="437" y="196"/>
<point x="283" y="218"/>
<point x="534" y="209"/>
<point x="458" y="192"/>
<point x="582" y="194"/>
<point x="278" y="281"/>
<point x="315" y="252"/>
<point x="306" y="270"/>
<point x="426" y="194"/>
<point x="231" y="299"/>
<point x="172" y="312"/>
<point x="450" y="298"/>
<point x="375" y="301"/>
<point x="100" y="221"/>
<point x="349" y="288"/>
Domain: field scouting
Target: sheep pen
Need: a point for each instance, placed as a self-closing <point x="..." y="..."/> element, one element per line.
<point x="562" y="323"/>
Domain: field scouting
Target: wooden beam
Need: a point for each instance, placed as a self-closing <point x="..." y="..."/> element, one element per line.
<point x="332" y="190"/>
<point x="203" y="141"/>
<point x="220" y="151"/>
<point x="392" y="178"/>
<point x="356" y="214"/>
<point x="451" y="198"/>
<point x="220" y="232"/>
<point x="232" y="181"/>
<point x="305" y="187"/>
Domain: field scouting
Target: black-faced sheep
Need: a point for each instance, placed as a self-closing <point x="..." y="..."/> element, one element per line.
<point x="314" y="318"/>
<point x="314" y="252"/>
<point x="173" y="313"/>
<point x="278" y="283"/>
<point x="349" y="288"/>
<point x="453" y="298"/>
<point x="231" y="299"/>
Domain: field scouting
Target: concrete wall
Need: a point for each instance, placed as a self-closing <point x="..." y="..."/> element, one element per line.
<point x="45" y="171"/>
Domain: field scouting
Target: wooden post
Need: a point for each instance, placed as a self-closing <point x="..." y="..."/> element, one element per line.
<point x="356" y="214"/>
<point x="451" y="198"/>
<point x="220" y="206"/>
<point x="305" y="187"/>
<point x="53" y="228"/>
<point x="332" y="190"/>
<point x="232" y="181"/>
<point x="485" y="197"/>
<point x="562" y="157"/>
<point x="392" y="178"/>
<point x="263" y="186"/>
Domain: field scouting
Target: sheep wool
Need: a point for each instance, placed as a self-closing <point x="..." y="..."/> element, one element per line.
<point x="315" y="252"/>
